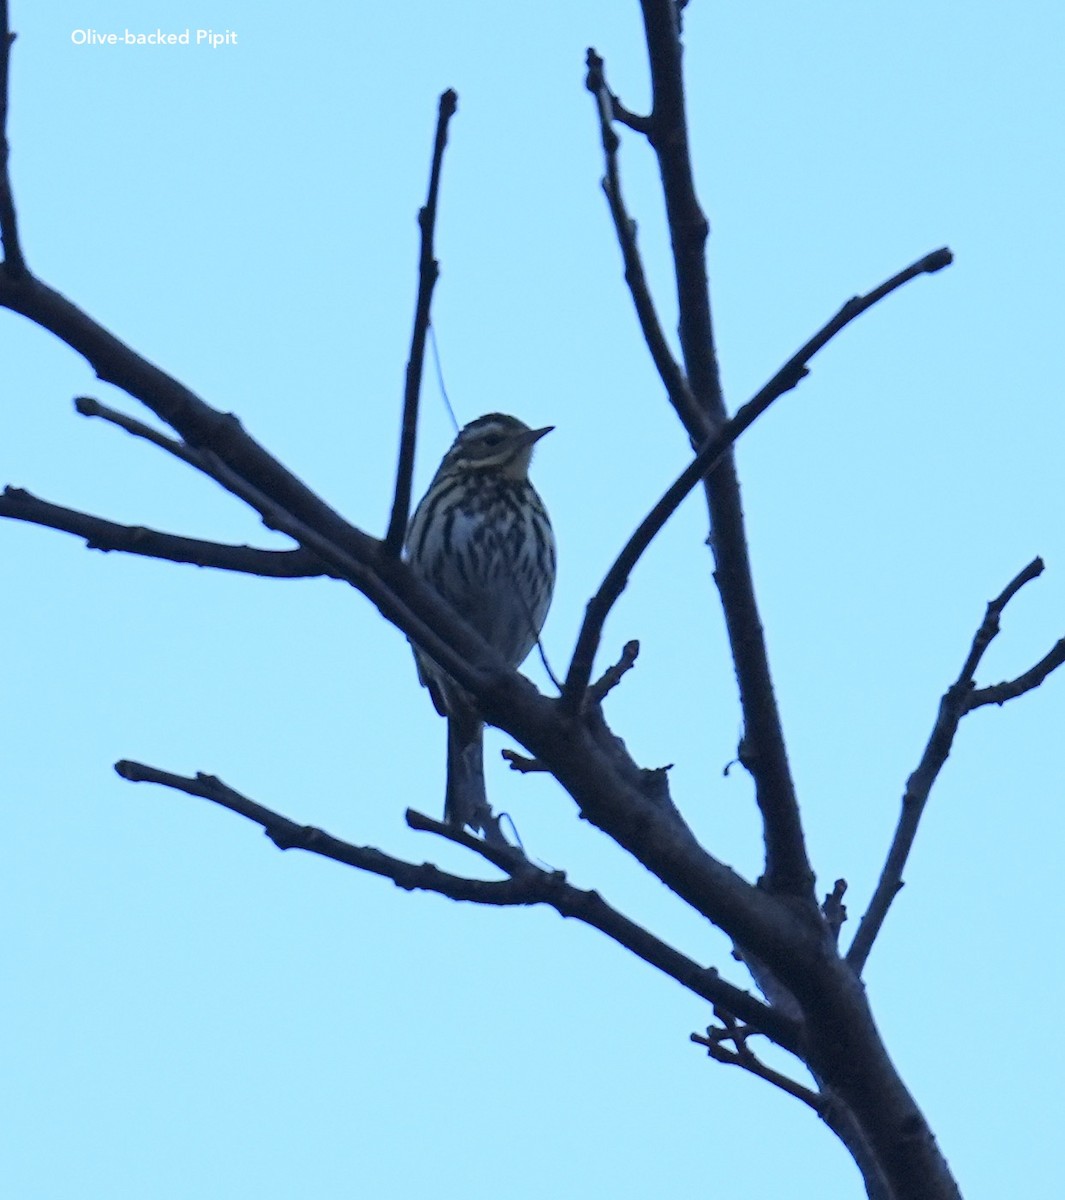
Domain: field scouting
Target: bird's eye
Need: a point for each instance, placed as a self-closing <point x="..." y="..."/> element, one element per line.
<point x="492" y="439"/>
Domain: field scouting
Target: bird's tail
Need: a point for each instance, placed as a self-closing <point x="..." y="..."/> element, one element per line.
<point x="465" y="802"/>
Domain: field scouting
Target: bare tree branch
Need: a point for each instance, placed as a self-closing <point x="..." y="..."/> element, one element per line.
<point x="991" y="625"/>
<point x="590" y="908"/>
<point x="598" y="691"/>
<point x="787" y="868"/>
<point x="828" y="1107"/>
<point x="20" y="505"/>
<point x="14" y="265"/>
<point x="523" y="764"/>
<point x="612" y="676"/>
<point x="743" y="1056"/>
<point x="708" y="458"/>
<point x="285" y="502"/>
<point x="509" y="859"/>
<point x="428" y="272"/>
<point x="999" y="693"/>
<point x="839" y="1118"/>
<point x="688" y="227"/>
<point x="88" y="406"/>
<point x="960" y="698"/>
<point x="527" y="885"/>
<point x="288" y="835"/>
<point x="220" y="447"/>
<point x="610" y="109"/>
<point x="197" y="423"/>
<point x="833" y="908"/>
<point x="625" y="116"/>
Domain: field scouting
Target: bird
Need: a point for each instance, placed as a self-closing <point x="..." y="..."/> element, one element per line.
<point x="481" y="538"/>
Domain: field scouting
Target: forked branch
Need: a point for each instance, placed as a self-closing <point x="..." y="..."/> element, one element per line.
<point x="672" y="375"/>
<point x="526" y="884"/>
<point x="739" y="1054"/>
<point x="1010" y="689"/>
<point x="98" y="534"/>
<point x="960" y="698"/>
<point x="703" y="464"/>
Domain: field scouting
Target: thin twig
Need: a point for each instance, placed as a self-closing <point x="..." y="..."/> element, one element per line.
<point x="197" y="423"/>
<point x="992" y="622"/>
<point x="833" y="908"/>
<point x="527" y="885"/>
<point x="507" y="858"/>
<point x="999" y="693"/>
<point x="322" y="551"/>
<point x="835" y="1114"/>
<point x="522" y="764"/>
<point x="612" y="676"/>
<point x="743" y="1056"/>
<point x="14" y="263"/>
<point x="428" y="272"/>
<point x="288" y="835"/>
<point x="704" y="462"/>
<point x="624" y="116"/>
<point x="19" y="505"/>
<point x="960" y="698"/>
<point x="676" y="383"/>
<point x="330" y="558"/>
<point x="688" y="226"/>
<point x="598" y="691"/>
<point x="401" y="598"/>
<point x="87" y="406"/>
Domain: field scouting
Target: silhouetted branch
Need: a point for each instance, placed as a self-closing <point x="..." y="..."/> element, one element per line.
<point x="834" y="1114"/>
<point x="229" y="454"/>
<point x="502" y="855"/>
<point x="288" y="835"/>
<point x="428" y="272"/>
<point x="999" y="693"/>
<point x="610" y="109"/>
<point x="87" y="406"/>
<point x="743" y="1056"/>
<point x="688" y="227"/>
<point x="705" y="461"/>
<point x="197" y="423"/>
<point x="14" y="264"/>
<point x="960" y="698"/>
<point x="598" y="608"/>
<point x="527" y="885"/>
<point x="787" y="867"/>
<point x="612" y="676"/>
<point x="523" y="764"/>
<point x="838" y="1117"/>
<point x="625" y="116"/>
<point x="598" y="691"/>
<point x="19" y="505"/>
<point x="833" y="908"/>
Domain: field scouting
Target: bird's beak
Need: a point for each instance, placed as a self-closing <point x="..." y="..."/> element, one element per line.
<point x="534" y="435"/>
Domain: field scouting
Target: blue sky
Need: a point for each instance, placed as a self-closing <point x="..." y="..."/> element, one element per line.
<point x="189" y="1013"/>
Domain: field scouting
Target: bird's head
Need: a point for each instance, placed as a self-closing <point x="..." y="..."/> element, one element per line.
<point x="496" y="443"/>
